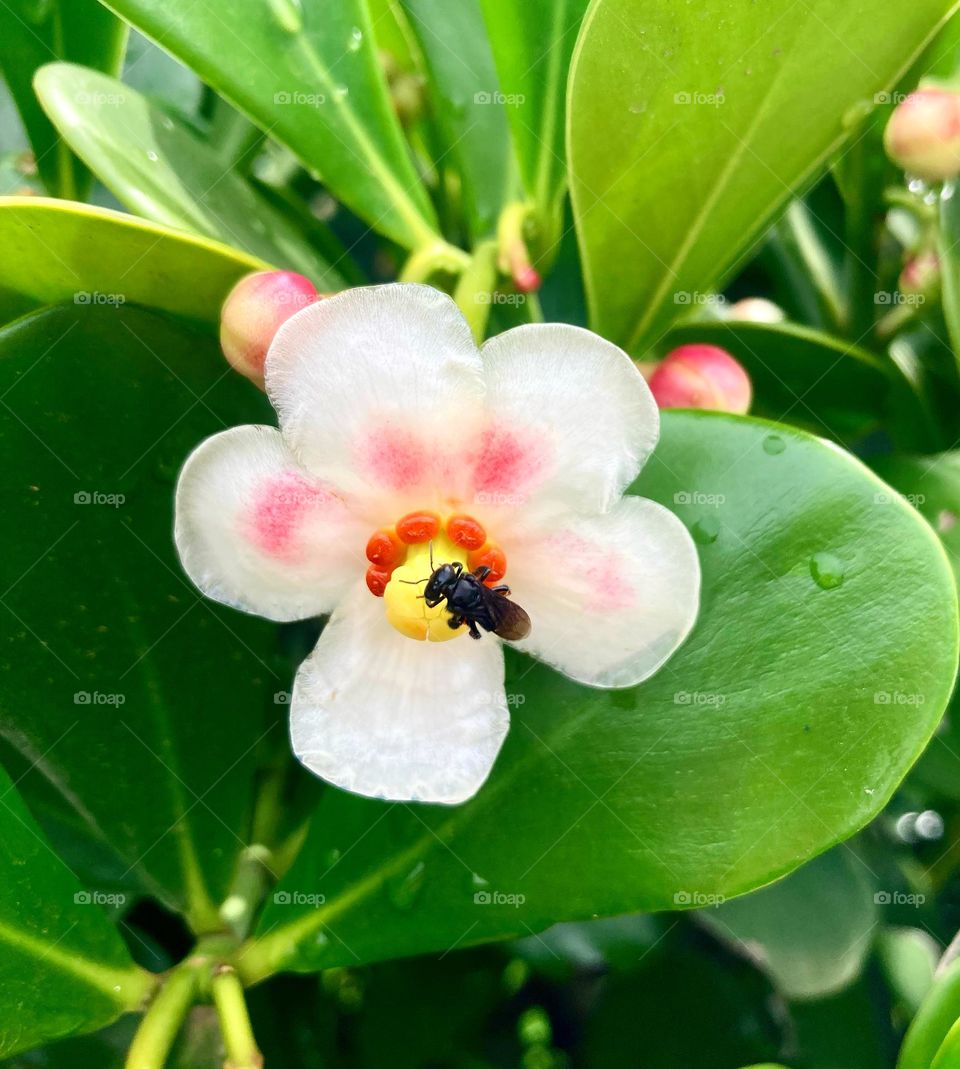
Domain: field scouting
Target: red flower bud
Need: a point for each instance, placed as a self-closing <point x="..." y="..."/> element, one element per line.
<point x="701" y="376"/>
<point x="920" y="275"/>
<point x="254" y="312"/>
<point x="923" y="134"/>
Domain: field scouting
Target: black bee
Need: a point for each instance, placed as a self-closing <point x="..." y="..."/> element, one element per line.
<point x="472" y="603"/>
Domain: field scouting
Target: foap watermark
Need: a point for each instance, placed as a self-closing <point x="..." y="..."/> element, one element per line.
<point x="708" y="299"/>
<point x="494" y="497"/>
<point x="113" y="100"/>
<point x="890" y="497"/>
<point x="510" y="100"/>
<point x="97" y="297"/>
<point x="498" y="898"/>
<point x="99" y="497"/>
<point x="698" y="697"/>
<point x="895" y="297"/>
<point x="889" y="98"/>
<point x="699" y="899"/>
<point x="99" y="898"/>
<point x="698" y="497"/>
<point x="712" y="100"/>
<point x="98" y="697"/>
<point x="497" y="298"/>
<point x="898" y="898"/>
<point x="299" y="99"/>
<point x="298" y="898"/>
<point x="282" y="697"/>
<point x="897" y="697"/>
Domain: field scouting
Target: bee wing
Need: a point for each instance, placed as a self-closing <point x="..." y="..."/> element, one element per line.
<point x="512" y="622"/>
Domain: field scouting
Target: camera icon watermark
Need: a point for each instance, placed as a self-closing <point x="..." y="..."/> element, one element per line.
<point x="713" y="100"/>
<point x="95" y="297"/>
<point x="697" y="899"/>
<point x="898" y="898"/>
<point x="98" y="497"/>
<point x="98" y="898"/>
<point x="96" y="697"/>
<point x="299" y="898"/>
<point x="498" y="898"/>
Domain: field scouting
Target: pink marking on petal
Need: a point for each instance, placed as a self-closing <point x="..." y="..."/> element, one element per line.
<point x="600" y="572"/>
<point x="395" y="458"/>
<point x="506" y="463"/>
<point x="283" y="502"/>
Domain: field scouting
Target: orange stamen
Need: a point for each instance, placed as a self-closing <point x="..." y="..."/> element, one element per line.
<point x="418" y="527"/>
<point x="385" y="548"/>
<point x="489" y="556"/>
<point x="466" y="532"/>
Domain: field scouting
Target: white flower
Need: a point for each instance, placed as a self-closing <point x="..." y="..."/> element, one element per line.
<point x="387" y="409"/>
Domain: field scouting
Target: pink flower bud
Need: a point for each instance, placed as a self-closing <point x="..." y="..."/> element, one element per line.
<point x="923" y="134"/>
<point x="920" y="275"/>
<point x="254" y="312"/>
<point x="756" y="310"/>
<point x="701" y="376"/>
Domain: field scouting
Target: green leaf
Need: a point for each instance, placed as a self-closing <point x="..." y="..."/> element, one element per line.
<point x="532" y="43"/>
<point x="933" y="1022"/>
<point x="55" y="250"/>
<point x="820" y="611"/>
<point x="33" y="33"/>
<point x="932" y="485"/>
<point x="948" y="239"/>
<point x="811" y="931"/>
<point x="800" y="376"/>
<point x="309" y="76"/>
<point x="690" y="125"/>
<point x="158" y="168"/>
<point x="133" y="703"/>
<point x="471" y="114"/>
<point x="63" y="966"/>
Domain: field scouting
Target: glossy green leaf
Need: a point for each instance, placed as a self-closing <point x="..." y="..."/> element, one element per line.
<point x="949" y="237"/>
<point x="532" y="42"/>
<point x="811" y="931"/>
<point x="909" y="958"/>
<point x="34" y="33"/>
<point x="158" y="168"/>
<point x="800" y="376"/>
<point x="768" y="737"/>
<point x="308" y="75"/>
<point x="63" y="967"/>
<point x="133" y="704"/>
<point x="932" y="485"/>
<point x="55" y="250"/>
<point x="933" y="1022"/>
<point x="690" y="125"/>
<point x="471" y="110"/>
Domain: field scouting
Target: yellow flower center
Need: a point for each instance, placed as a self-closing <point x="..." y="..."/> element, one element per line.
<point x="403" y="558"/>
<point x="403" y="597"/>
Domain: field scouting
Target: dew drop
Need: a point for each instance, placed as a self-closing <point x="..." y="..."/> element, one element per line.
<point x="638" y="108"/>
<point x="916" y="185"/>
<point x="477" y="882"/>
<point x="827" y="570"/>
<point x="288" y="14"/>
<point x="341" y="92"/>
<point x="403" y="892"/>
<point x="331" y="857"/>
<point x="321" y="939"/>
<point x="774" y="445"/>
<point x="355" y="42"/>
<point x="706" y="530"/>
<point x="152" y="156"/>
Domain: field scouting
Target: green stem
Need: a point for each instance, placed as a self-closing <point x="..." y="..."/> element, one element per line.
<point x="163" y="1018"/>
<point x="242" y="1051"/>
<point x="437" y="258"/>
<point x="474" y="292"/>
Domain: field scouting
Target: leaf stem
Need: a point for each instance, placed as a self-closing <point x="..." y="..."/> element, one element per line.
<point x="238" y="1038"/>
<point x="164" y="1016"/>
<point x="437" y="258"/>
<point x="474" y="292"/>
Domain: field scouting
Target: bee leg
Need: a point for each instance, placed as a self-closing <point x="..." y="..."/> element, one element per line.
<point x="474" y="633"/>
<point x="482" y="572"/>
<point x="454" y="622"/>
<point x="501" y="590"/>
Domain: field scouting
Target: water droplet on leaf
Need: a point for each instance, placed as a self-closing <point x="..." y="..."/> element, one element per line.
<point x="355" y="42"/>
<point x="774" y="444"/>
<point x="288" y="14"/>
<point x="706" y="530"/>
<point x="403" y="892"/>
<point x="827" y="570"/>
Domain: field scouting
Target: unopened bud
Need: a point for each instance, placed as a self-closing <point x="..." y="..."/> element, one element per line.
<point x="254" y="312"/>
<point x="923" y="134"/>
<point x="701" y="376"/>
<point x="756" y="310"/>
<point x="920" y="275"/>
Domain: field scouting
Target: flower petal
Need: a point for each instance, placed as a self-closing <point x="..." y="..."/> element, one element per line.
<point x="373" y="387"/>
<point x="383" y="715"/>
<point x="610" y="596"/>
<point x="257" y="532"/>
<point x="571" y="420"/>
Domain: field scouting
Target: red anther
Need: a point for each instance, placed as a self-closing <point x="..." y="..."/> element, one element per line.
<point x="384" y="548"/>
<point x="489" y="556"/>
<point x="377" y="579"/>
<point x="526" y="278"/>
<point x="418" y="527"/>
<point x="465" y="532"/>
